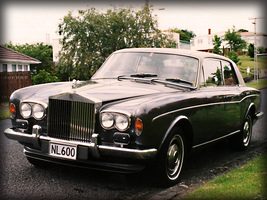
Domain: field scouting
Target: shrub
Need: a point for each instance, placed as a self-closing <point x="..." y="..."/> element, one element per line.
<point x="234" y="57"/>
<point x="44" y="77"/>
<point x="251" y="50"/>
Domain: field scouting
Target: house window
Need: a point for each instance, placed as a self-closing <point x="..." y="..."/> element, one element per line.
<point x="25" y="68"/>
<point x="4" y="67"/>
<point x="14" y="67"/>
<point x="19" y="68"/>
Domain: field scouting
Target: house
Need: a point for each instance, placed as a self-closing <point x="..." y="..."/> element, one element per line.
<point x="14" y="71"/>
<point x="13" y="61"/>
<point x="249" y="37"/>
<point x="204" y="42"/>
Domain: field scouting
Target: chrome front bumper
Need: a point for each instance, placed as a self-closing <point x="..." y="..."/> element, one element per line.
<point x="36" y="139"/>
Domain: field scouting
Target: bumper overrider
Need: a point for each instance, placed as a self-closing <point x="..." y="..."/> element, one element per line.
<point x="85" y="151"/>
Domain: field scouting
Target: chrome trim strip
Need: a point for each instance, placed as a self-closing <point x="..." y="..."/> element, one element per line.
<point x="203" y="105"/>
<point x="198" y="145"/>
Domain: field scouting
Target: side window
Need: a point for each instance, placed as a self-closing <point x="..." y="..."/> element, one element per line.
<point x="229" y="74"/>
<point x="212" y="73"/>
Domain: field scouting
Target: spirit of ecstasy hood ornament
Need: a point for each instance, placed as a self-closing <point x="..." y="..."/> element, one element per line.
<point x="74" y="84"/>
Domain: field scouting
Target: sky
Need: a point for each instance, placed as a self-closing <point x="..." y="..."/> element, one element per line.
<point x="37" y="21"/>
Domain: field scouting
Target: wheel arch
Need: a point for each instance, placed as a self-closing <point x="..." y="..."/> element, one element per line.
<point x="183" y="123"/>
<point x="250" y="110"/>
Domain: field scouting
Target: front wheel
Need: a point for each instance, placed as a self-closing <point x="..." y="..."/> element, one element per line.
<point x="171" y="158"/>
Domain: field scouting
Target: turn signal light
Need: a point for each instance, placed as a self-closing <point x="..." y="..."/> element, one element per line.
<point x="12" y="110"/>
<point x="138" y="127"/>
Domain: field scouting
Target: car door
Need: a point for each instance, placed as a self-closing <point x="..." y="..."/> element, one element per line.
<point x="220" y="99"/>
<point x="232" y="97"/>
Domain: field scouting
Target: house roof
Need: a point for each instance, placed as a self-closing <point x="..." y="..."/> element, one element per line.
<point x="9" y="55"/>
<point x="251" y="34"/>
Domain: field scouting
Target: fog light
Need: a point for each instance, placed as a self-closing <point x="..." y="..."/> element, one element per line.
<point x="121" y="138"/>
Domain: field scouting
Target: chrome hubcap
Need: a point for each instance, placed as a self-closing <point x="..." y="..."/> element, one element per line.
<point x="175" y="156"/>
<point x="247" y="131"/>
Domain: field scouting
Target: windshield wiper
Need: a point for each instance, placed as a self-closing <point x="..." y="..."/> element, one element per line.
<point x="138" y="75"/>
<point x="143" y="75"/>
<point x="178" y="80"/>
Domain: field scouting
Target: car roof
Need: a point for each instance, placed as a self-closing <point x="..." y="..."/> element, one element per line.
<point x="185" y="52"/>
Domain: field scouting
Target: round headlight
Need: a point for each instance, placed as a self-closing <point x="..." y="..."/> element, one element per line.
<point x="121" y="122"/>
<point x="107" y="120"/>
<point x="38" y="111"/>
<point x="25" y="110"/>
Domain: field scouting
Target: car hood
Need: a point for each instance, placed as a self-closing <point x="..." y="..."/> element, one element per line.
<point x="102" y="90"/>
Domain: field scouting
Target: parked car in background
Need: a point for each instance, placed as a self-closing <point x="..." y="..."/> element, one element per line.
<point x="145" y="107"/>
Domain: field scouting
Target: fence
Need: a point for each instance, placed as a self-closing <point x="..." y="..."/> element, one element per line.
<point x="11" y="81"/>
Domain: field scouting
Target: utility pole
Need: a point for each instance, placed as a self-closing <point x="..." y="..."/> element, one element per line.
<point x="256" y="71"/>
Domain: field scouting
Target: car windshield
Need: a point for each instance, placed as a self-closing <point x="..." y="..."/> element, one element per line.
<point x="150" y="65"/>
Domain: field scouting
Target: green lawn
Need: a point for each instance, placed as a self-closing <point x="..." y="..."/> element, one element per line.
<point x="247" y="182"/>
<point x="258" y="85"/>
<point x="4" y="114"/>
<point x="246" y="62"/>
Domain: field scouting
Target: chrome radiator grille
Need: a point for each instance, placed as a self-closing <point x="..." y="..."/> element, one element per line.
<point x="71" y="120"/>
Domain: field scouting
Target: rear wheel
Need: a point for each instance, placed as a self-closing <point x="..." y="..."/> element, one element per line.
<point x="171" y="158"/>
<point x="242" y="140"/>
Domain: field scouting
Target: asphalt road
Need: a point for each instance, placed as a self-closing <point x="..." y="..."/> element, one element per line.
<point x="21" y="180"/>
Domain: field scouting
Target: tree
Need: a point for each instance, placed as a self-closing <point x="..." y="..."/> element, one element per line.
<point x="43" y="77"/>
<point x="251" y="50"/>
<point x="39" y="51"/>
<point x="185" y="35"/>
<point x="234" y="40"/>
<point x="217" y="41"/>
<point x="90" y="37"/>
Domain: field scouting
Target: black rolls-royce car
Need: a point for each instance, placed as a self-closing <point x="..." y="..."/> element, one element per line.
<point x="145" y="107"/>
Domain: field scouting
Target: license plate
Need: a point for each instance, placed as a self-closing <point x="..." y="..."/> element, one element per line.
<point x="63" y="151"/>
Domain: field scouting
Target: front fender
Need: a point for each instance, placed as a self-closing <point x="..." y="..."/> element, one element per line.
<point x="173" y="124"/>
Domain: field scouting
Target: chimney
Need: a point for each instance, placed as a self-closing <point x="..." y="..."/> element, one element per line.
<point x="209" y="31"/>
